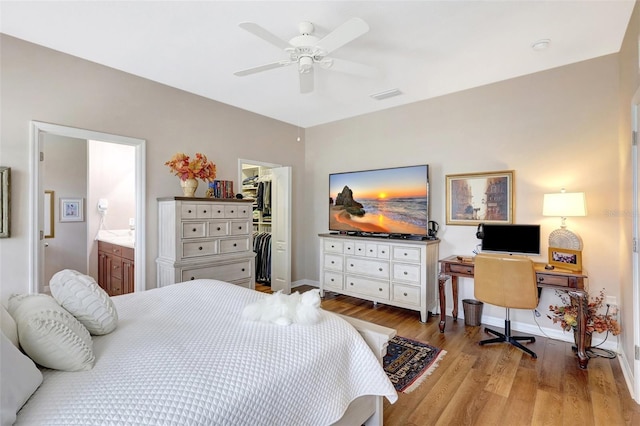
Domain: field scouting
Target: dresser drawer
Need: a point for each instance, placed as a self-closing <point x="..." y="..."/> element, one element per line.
<point x="406" y="272"/>
<point x="363" y="266"/>
<point x="558" y="280"/>
<point x="384" y="251"/>
<point x="218" y="228"/>
<point x="245" y="211"/>
<point x="367" y="287"/>
<point x="229" y="272"/>
<point x="217" y="211"/>
<point x="360" y="249"/>
<point x="406" y="294"/>
<point x="332" y="281"/>
<point x="231" y="211"/>
<point x="333" y="246"/>
<point x="194" y="229"/>
<point x="333" y="262"/>
<point x="349" y="248"/>
<point x="239" y="228"/>
<point x="188" y="211"/>
<point x="198" y="248"/>
<point x="204" y="211"/>
<point x="406" y="254"/>
<point x="234" y="245"/>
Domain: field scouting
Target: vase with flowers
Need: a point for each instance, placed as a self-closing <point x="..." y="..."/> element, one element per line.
<point x="190" y="170"/>
<point x="599" y="318"/>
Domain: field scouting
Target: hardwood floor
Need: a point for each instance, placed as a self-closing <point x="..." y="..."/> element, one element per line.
<point x="496" y="384"/>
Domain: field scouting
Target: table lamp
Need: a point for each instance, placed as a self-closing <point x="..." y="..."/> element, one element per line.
<point x="563" y="205"/>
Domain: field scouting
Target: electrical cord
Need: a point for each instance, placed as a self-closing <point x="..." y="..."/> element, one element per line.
<point x="593" y="351"/>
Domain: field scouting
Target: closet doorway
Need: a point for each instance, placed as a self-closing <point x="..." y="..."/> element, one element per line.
<point x="269" y="185"/>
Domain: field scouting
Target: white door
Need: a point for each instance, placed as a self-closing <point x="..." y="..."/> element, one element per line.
<point x="636" y="251"/>
<point x="281" y="229"/>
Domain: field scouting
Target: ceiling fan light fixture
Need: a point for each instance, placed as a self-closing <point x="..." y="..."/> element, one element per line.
<point x="386" y="94"/>
<point x="305" y="63"/>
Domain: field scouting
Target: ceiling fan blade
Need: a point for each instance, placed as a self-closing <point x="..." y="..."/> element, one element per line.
<point x="342" y="35"/>
<point x="261" y="68"/>
<point x="306" y="81"/>
<point x="350" y="67"/>
<point x="257" y="30"/>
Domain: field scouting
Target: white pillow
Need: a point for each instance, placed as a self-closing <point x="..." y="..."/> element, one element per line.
<point x="20" y="379"/>
<point x="49" y="334"/>
<point x="8" y="326"/>
<point x="86" y="300"/>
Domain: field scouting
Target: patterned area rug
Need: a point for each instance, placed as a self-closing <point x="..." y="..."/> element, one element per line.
<point x="408" y="362"/>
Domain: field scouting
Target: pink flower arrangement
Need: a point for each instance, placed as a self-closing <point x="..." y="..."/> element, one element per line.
<point x="198" y="168"/>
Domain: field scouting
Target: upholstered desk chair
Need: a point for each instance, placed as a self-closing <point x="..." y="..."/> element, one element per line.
<point x="508" y="281"/>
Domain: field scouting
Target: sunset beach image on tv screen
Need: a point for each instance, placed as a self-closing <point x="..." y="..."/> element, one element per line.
<point x="388" y="201"/>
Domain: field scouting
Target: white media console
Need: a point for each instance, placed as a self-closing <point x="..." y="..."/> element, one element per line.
<point x="397" y="272"/>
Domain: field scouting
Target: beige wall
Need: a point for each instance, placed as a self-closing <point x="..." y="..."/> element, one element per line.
<point x="45" y="85"/>
<point x="556" y="129"/>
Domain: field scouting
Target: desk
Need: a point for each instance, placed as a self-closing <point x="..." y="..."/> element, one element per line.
<point x="559" y="279"/>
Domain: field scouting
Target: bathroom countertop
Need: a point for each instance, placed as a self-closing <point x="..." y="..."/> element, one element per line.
<point x="120" y="237"/>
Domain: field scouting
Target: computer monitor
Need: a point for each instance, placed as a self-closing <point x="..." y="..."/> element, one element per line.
<point x="513" y="239"/>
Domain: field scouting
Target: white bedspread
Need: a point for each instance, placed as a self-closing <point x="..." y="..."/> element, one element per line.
<point x="182" y="355"/>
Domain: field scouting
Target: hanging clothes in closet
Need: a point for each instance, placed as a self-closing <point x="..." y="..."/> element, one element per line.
<point x="262" y="248"/>
<point x="263" y="195"/>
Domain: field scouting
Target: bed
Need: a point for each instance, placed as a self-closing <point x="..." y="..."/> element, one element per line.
<point x="182" y="355"/>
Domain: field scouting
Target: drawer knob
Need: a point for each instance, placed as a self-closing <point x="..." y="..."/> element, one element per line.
<point x="359" y="249"/>
<point x="193" y="278"/>
<point x="352" y="265"/>
<point x="370" y="251"/>
<point x="379" y="289"/>
<point x="242" y="269"/>
<point x="405" y="254"/>
<point x="332" y="246"/>
<point x="332" y="262"/>
<point x="204" y="211"/>
<point x="231" y="211"/>
<point x="200" y="248"/>
<point x="406" y="273"/>
<point x="332" y="279"/>
<point x="540" y="279"/>
<point x="240" y="227"/>
<point x="350" y="283"/>
<point x="235" y="245"/>
<point x="219" y="211"/>
<point x="188" y="211"/>
<point x="383" y="252"/>
<point x="380" y="269"/>
<point x="218" y="228"/>
<point x="405" y="294"/>
<point x="194" y="229"/>
<point x="469" y="271"/>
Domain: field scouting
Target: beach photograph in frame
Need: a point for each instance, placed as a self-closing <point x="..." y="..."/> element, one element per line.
<point x="563" y="258"/>
<point x="473" y="198"/>
<point x="5" y="202"/>
<point x="71" y="210"/>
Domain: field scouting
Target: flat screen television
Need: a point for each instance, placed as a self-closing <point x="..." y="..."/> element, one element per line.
<point x="392" y="201"/>
<point x="513" y="239"/>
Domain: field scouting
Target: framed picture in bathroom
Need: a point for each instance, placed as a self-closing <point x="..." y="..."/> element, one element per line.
<point x="71" y="210"/>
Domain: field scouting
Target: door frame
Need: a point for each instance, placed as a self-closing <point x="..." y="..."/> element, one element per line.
<point x="36" y="197"/>
<point x="635" y="164"/>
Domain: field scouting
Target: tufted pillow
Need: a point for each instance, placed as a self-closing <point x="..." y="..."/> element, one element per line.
<point x="49" y="334"/>
<point x="20" y="379"/>
<point x="86" y="300"/>
<point x="8" y="326"/>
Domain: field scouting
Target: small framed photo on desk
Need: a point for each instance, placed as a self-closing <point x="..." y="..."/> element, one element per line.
<point x="563" y="258"/>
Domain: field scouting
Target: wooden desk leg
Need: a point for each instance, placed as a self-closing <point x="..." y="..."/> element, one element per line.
<point x="442" y="282"/>
<point x="454" y="291"/>
<point x="582" y="301"/>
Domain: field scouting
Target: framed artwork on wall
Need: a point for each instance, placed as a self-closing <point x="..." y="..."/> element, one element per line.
<point x="5" y="202"/>
<point x="563" y="258"/>
<point x="71" y="210"/>
<point x="473" y="198"/>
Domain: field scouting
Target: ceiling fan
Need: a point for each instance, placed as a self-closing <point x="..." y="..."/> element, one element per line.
<point x="307" y="50"/>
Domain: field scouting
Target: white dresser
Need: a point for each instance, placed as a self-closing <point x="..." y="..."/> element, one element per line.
<point x="394" y="272"/>
<point x="205" y="238"/>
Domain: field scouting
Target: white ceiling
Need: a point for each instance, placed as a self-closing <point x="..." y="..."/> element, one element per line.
<point x="423" y="48"/>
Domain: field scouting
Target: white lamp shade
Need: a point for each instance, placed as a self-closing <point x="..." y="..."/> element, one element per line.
<point x="564" y="204"/>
